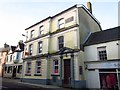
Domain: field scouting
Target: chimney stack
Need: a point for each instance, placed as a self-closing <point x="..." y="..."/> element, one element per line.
<point x="89" y="5"/>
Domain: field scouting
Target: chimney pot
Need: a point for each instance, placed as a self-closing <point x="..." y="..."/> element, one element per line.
<point x="89" y="5"/>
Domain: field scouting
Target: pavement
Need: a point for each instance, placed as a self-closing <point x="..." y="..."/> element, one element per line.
<point x="51" y="87"/>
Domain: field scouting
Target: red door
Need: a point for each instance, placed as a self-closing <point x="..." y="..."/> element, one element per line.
<point x="66" y="71"/>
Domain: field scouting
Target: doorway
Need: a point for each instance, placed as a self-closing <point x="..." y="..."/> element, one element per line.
<point x="66" y="72"/>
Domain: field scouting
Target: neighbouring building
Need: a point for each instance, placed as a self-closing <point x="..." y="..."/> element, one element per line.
<point x="102" y="59"/>
<point x="13" y="65"/>
<point x="53" y="48"/>
<point x="3" y="54"/>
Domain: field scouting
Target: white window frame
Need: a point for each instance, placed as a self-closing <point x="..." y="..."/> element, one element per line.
<point x="41" y="30"/>
<point x="32" y="34"/>
<point x="61" y="23"/>
<point x="40" y="45"/>
<point x="54" y="66"/>
<point x="101" y="50"/>
<point x="36" y="67"/>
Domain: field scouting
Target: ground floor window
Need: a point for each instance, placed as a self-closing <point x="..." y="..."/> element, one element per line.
<point x="5" y="69"/>
<point x="55" y="66"/>
<point x="19" y="69"/>
<point x="108" y="79"/>
<point x="9" y="69"/>
<point x="38" y="67"/>
<point x="28" y="69"/>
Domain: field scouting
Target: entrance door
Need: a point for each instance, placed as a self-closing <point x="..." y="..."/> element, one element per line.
<point x="66" y="71"/>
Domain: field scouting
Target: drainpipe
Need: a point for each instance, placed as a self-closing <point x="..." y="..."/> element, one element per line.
<point x="61" y="58"/>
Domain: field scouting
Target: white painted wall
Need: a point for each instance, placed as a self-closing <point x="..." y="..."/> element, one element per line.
<point x="92" y="79"/>
<point x="91" y="53"/>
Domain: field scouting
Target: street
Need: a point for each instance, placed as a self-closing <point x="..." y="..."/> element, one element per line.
<point x="15" y="84"/>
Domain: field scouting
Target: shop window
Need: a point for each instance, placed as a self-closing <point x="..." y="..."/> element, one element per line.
<point x="108" y="81"/>
<point x="38" y="67"/>
<point x="102" y="53"/>
<point x="60" y="42"/>
<point x="55" y="67"/>
<point x="61" y="23"/>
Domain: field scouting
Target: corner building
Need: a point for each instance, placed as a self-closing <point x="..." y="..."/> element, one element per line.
<point x="53" y="52"/>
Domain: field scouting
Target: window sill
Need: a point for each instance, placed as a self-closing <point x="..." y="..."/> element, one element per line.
<point x="27" y="74"/>
<point x="37" y="75"/>
<point x="55" y="75"/>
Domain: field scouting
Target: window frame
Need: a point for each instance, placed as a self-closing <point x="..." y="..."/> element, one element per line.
<point x="28" y="68"/>
<point x="18" y="55"/>
<point x="102" y="53"/>
<point x="40" y="47"/>
<point x="60" y="43"/>
<point x="10" y="58"/>
<point x="32" y="34"/>
<point x="56" y="71"/>
<point x="38" y="66"/>
<point x="61" y="23"/>
<point x="30" y="49"/>
<point x="19" y="69"/>
<point x="41" y="30"/>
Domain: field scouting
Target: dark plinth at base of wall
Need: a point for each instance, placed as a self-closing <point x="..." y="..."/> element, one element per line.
<point x="36" y="81"/>
<point x="74" y="84"/>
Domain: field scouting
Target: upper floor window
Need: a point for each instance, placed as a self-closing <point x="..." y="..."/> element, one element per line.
<point x="40" y="47"/>
<point x="102" y="53"/>
<point x="69" y="19"/>
<point x="10" y="58"/>
<point x="61" y="23"/>
<point x="38" y="67"/>
<point x="55" y="66"/>
<point x="41" y="29"/>
<point x="32" y="33"/>
<point x="26" y="35"/>
<point x="18" y="55"/>
<point x="30" y="49"/>
<point x="60" y="42"/>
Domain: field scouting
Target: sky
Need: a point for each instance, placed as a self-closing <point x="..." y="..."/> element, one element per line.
<point x="17" y="15"/>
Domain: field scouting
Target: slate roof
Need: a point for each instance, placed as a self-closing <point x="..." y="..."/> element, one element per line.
<point x="108" y="35"/>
